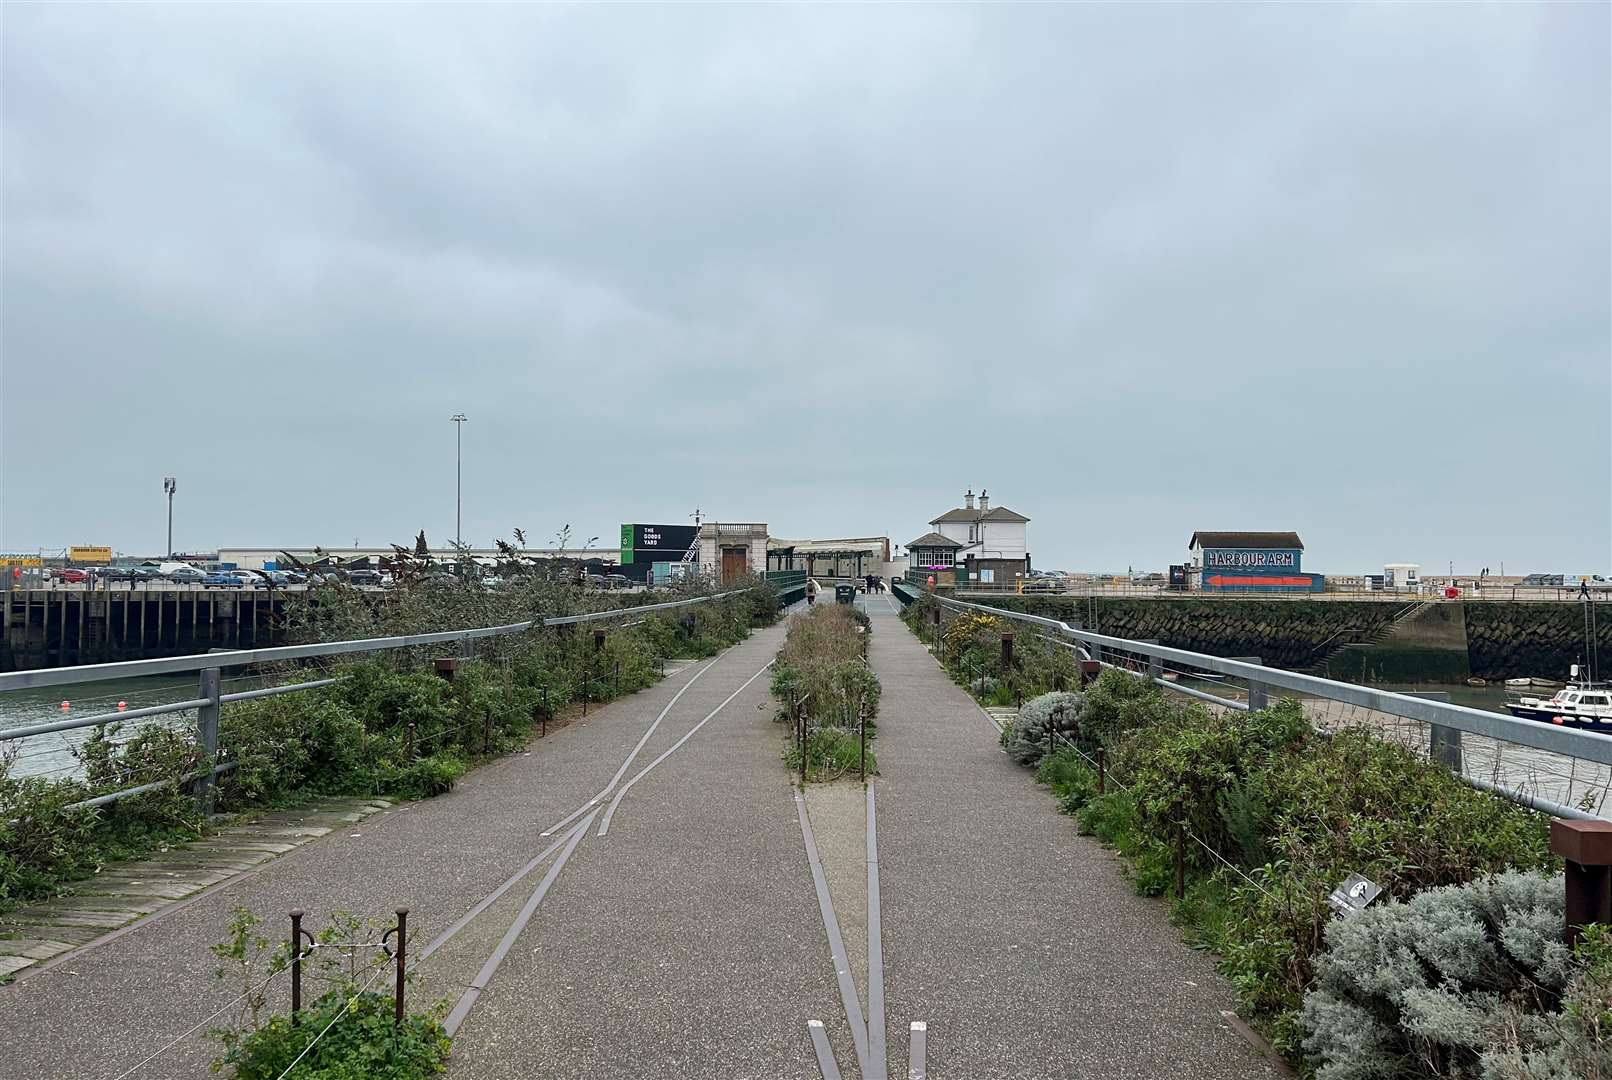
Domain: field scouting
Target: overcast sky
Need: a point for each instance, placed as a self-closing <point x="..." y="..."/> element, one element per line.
<point x="1137" y="270"/>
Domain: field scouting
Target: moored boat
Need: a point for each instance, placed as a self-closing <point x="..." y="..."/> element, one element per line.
<point x="1587" y="706"/>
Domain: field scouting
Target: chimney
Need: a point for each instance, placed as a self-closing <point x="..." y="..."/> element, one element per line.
<point x="968" y="500"/>
<point x="985" y="501"/>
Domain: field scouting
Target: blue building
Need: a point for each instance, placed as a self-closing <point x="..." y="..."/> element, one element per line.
<point x="1269" y="562"/>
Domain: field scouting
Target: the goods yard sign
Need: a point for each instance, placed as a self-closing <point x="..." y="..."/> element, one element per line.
<point x="89" y="554"/>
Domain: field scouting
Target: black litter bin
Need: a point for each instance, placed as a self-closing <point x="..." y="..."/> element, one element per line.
<point x="845" y="594"/>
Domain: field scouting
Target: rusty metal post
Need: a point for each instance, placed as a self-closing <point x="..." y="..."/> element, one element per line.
<point x="1180" y="856"/>
<point x="402" y="961"/>
<point x="1586" y="849"/>
<point x="487" y="733"/>
<point x="408" y="742"/>
<point x="1102" y="771"/>
<point x="1007" y="653"/>
<point x="446" y="666"/>
<point x="598" y="640"/>
<point x="545" y="713"/>
<point x="862" y="718"/>
<point x="615" y="685"/>
<point x="296" y="965"/>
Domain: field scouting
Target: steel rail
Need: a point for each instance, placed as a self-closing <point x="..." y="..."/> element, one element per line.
<point x="1588" y="745"/>
<point x="130" y="669"/>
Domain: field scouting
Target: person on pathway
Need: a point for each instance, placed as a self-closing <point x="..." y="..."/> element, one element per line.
<point x="811" y="591"/>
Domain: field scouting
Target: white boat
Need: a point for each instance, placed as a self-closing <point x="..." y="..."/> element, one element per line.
<point x="1586" y="706"/>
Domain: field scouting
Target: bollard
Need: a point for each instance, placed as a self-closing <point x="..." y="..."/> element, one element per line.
<point x="1586" y="848"/>
<point x="598" y="640"/>
<point x="402" y="952"/>
<point x="1102" y="770"/>
<point x="1089" y="671"/>
<point x="447" y="665"/>
<point x="1007" y="653"/>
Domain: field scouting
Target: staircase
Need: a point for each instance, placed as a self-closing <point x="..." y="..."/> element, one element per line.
<point x="1356" y="636"/>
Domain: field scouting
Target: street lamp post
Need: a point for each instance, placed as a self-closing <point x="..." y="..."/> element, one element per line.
<point x="169" y="486"/>
<point x="459" y="478"/>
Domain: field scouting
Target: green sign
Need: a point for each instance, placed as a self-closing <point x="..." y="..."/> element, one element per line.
<point x="626" y="544"/>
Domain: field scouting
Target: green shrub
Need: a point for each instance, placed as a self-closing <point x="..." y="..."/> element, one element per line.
<point x="1292" y="811"/>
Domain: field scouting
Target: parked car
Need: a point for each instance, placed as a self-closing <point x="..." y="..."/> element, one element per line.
<point x="72" y="575"/>
<point x="1043" y="585"/>
<point x="226" y="579"/>
<point x="596" y="581"/>
<point x="619" y="581"/>
<point x="364" y="577"/>
<point x="187" y="574"/>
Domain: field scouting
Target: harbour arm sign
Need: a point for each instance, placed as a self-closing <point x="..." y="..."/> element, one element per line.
<point x="1250" y="559"/>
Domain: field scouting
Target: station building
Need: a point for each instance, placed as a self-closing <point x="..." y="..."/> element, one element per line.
<point x="1261" y="562"/>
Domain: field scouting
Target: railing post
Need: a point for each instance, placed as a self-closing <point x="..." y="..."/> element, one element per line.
<point x="1155" y="666"/>
<point x="487" y="732"/>
<point x="207" y="734"/>
<point x="1258" y="697"/>
<point x="1102" y="771"/>
<point x="1443" y="743"/>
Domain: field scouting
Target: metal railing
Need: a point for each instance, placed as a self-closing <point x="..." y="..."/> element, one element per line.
<point x="1445" y="723"/>
<point x="210" y="696"/>
<point x="1152" y="591"/>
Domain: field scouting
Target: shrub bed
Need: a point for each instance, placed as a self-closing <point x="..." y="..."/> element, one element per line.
<point x="392" y="726"/>
<point x="969" y="646"/>
<point x="1271" y="817"/>
<point x="822" y="682"/>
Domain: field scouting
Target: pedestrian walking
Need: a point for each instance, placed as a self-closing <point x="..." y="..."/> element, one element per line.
<point x="811" y="591"/>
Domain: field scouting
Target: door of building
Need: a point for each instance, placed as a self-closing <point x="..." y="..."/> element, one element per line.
<point x="734" y="563"/>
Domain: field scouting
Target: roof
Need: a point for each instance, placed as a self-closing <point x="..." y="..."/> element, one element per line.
<point x="996" y="513"/>
<point x="1246" y="540"/>
<point x="933" y="540"/>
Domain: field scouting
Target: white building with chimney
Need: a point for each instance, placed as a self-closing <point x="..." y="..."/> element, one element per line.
<point x="989" y="543"/>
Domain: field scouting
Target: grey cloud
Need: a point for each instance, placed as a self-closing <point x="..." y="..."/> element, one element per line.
<point x="1139" y="270"/>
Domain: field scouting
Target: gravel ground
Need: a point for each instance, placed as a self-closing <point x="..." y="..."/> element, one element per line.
<point x="107" y="1007"/>
<point x="1018" y="941"/>
<point x="686" y="942"/>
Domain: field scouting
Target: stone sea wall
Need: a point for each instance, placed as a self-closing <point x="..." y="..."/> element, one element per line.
<point x="1399" y="640"/>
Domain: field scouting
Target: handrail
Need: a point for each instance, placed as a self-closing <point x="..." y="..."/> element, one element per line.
<point x="128" y="669"/>
<point x="1588" y="745"/>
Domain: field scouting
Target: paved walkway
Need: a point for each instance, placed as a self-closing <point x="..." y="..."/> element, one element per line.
<point x="686" y="941"/>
